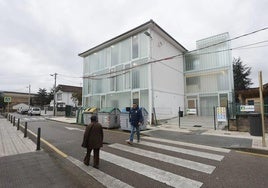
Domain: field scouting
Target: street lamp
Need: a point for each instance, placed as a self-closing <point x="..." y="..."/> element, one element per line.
<point x="150" y="77"/>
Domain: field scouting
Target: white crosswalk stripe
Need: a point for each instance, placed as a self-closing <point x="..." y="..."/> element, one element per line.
<point x="32" y="119"/>
<point x="165" y="158"/>
<point x="223" y="150"/>
<point x="184" y="151"/>
<point x="100" y="176"/>
<point x="168" y="178"/>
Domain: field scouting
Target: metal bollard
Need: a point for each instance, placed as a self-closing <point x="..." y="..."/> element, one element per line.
<point x="38" y="139"/>
<point x="25" y="130"/>
<point x="11" y="118"/>
<point x="18" y="125"/>
<point x="14" y="121"/>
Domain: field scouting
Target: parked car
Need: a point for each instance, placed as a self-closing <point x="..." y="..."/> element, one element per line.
<point x="23" y="110"/>
<point x="34" y="111"/>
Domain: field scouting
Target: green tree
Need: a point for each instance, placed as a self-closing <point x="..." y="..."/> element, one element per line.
<point x="241" y="76"/>
<point x="42" y="97"/>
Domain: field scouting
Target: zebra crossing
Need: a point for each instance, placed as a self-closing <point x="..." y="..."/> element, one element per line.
<point x="150" y="149"/>
<point x="31" y="119"/>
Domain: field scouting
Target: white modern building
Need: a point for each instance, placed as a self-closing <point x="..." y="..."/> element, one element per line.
<point x="147" y="66"/>
<point x="209" y="75"/>
<point x="143" y="65"/>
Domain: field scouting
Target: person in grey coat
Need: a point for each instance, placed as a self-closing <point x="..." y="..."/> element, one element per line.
<point x="93" y="140"/>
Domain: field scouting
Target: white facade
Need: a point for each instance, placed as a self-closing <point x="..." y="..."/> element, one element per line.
<point x="127" y="69"/>
<point x="147" y="66"/>
<point x="64" y="98"/>
<point x="209" y="75"/>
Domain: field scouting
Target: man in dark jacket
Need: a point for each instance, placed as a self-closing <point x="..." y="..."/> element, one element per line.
<point x="135" y="119"/>
<point x="93" y="139"/>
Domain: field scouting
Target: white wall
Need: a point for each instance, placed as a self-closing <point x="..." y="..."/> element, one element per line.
<point x="167" y="78"/>
<point x="66" y="98"/>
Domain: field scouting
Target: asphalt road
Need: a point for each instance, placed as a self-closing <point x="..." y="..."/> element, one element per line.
<point x="236" y="169"/>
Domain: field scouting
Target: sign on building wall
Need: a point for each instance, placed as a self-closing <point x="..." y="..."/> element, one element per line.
<point x="7" y="99"/>
<point x="221" y="114"/>
<point x="247" y="108"/>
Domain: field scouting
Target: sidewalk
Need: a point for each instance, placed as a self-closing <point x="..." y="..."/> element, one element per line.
<point x="209" y="130"/>
<point x="22" y="166"/>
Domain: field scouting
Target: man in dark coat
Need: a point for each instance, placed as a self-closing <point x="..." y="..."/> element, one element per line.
<point x="135" y="119"/>
<point x="93" y="139"/>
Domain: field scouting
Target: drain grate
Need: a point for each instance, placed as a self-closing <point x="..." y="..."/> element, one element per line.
<point x="197" y="126"/>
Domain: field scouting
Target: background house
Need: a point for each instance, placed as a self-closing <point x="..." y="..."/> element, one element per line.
<point x="64" y="94"/>
<point x="251" y="96"/>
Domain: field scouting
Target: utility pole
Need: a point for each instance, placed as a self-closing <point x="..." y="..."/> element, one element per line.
<point x="262" y="110"/>
<point x="29" y="97"/>
<point x="54" y="93"/>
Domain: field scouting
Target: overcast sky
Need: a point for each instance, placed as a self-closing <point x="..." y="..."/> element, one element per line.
<point x="43" y="37"/>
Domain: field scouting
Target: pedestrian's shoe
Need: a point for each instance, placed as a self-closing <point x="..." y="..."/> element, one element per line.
<point x="95" y="166"/>
<point x="86" y="163"/>
<point x="129" y="142"/>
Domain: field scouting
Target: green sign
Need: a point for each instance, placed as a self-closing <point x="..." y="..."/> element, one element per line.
<point x="7" y="99"/>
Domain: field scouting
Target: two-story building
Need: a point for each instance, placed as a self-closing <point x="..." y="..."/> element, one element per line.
<point x="63" y="96"/>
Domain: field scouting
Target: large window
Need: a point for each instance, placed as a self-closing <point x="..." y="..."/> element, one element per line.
<point x="59" y="96"/>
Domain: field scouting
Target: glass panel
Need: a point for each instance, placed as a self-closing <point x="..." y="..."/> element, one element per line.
<point x="127" y="77"/>
<point x="94" y="61"/>
<point x="114" y="55"/>
<point x="125" y="51"/>
<point x="212" y="57"/>
<point x="223" y="81"/>
<point x="95" y="101"/>
<point x="135" y="78"/>
<point x="119" y="78"/>
<point x="86" y="86"/>
<point x="102" y="59"/>
<point x="144" y="45"/>
<point x="135" y="47"/>
<point x="112" y="80"/>
<point x="207" y="103"/>
<point x="193" y="84"/>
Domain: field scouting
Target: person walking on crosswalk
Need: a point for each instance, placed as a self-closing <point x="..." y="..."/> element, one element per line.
<point x="135" y="119"/>
<point x="93" y="140"/>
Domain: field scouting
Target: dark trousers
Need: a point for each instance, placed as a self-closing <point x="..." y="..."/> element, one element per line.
<point x="96" y="154"/>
